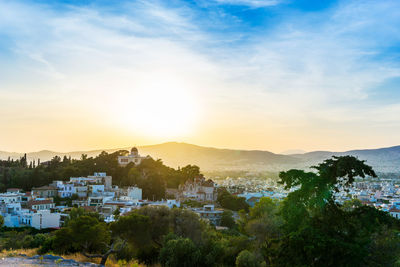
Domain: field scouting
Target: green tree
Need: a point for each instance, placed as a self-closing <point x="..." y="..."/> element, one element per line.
<point x="180" y="252"/>
<point x="327" y="234"/>
<point x="247" y="259"/>
<point x="231" y="202"/>
<point x="352" y="204"/>
<point x="264" y="224"/>
<point x="227" y="219"/>
<point x="88" y="235"/>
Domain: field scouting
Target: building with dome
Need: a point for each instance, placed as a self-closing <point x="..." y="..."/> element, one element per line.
<point x="132" y="157"/>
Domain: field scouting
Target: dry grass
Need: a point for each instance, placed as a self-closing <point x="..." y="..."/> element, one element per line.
<point x="78" y="257"/>
<point x="17" y="252"/>
<point x="111" y="262"/>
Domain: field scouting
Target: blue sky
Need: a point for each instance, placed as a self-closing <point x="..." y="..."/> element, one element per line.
<point x="267" y="74"/>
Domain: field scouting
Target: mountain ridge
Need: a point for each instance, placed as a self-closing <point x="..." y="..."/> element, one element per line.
<point x="174" y="154"/>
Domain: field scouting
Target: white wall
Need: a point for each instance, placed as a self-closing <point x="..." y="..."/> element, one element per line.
<point x="135" y="193"/>
<point x="45" y="219"/>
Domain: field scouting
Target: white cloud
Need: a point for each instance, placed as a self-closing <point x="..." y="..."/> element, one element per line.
<point x="301" y="73"/>
<point x="251" y="3"/>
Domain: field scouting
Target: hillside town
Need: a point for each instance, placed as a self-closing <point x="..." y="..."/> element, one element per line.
<point x="38" y="209"/>
<point x="48" y="206"/>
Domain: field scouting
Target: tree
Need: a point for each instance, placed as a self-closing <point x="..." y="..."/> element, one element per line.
<point x="228" y="201"/>
<point x="247" y="259"/>
<point x="187" y="224"/>
<point x="384" y="248"/>
<point x="227" y="219"/>
<point x="180" y="252"/>
<point x="77" y="212"/>
<point x="133" y="228"/>
<point x="190" y="172"/>
<point x="89" y="235"/>
<point x="316" y="190"/>
<point x="1" y="221"/>
<point x="328" y="234"/>
<point x="264" y="224"/>
<point x="350" y="205"/>
<point x="116" y="213"/>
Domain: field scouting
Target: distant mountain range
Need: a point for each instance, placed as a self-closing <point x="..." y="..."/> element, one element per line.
<point x="214" y="159"/>
<point x="293" y="151"/>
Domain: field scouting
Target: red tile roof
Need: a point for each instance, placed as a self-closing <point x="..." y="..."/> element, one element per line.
<point x="14" y="189"/>
<point x="394" y="210"/>
<point x="39" y="202"/>
<point x="46" y="187"/>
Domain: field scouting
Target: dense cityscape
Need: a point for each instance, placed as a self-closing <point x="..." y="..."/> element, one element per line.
<point x="200" y="133"/>
<point x="227" y="205"/>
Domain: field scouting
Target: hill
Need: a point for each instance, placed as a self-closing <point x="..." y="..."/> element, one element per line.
<point x="209" y="159"/>
<point x="381" y="159"/>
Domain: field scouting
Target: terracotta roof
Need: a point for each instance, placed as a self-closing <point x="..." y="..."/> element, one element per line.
<point x="38" y="202"/>
<point x="253" y="199"/>
<point x="14" y="189"/>
<point x="89" y="208"/>
<point x="394" y="210"/>
<point x="115" y="204"/>
<point x="46" y="187"/>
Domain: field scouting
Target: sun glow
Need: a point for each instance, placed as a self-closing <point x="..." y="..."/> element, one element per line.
<point x="161" y="110"/>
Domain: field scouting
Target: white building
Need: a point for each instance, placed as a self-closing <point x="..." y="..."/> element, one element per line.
<point x="170" y="203"/>
<point x="81" y="190"/>
<point x="394" y="212"/>
<point x="97" y="178"/>
<point x="102" y="178"/>
<point x="10" y="197"/>
<point x="41" y="219"/>
<point x="10" y="213"/>
<point x="66" y="190"/>
<point x="132" y="157"/>
<point x="100" y="200"/>
<point x="209" y="213"/>
<point x="134" y="193"/>
<point x="41" y="204"/>
<point x="95" y="189"/>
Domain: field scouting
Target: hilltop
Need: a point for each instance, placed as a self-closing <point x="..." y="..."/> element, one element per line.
<point x="176" y="154"/>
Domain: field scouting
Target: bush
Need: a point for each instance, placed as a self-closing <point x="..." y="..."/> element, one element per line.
<point x="27" y="242"/>
<point x="180" y="252"/>
<point x="227" y="219"/>
<point x="247" y="259"/>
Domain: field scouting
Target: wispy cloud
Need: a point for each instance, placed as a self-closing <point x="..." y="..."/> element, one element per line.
<point x="250" y="3"/>
<point x="302" y="72"/>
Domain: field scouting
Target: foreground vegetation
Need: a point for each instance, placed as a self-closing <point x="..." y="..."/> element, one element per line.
<point x="308" y="228"/>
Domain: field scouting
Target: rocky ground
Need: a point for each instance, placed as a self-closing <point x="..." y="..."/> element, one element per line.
<point x="44" y="260"/>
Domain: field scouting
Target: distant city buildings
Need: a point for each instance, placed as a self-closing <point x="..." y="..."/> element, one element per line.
<point x="46" y="206"/>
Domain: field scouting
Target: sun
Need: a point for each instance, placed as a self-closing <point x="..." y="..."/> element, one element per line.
<point x="161" y="110"/>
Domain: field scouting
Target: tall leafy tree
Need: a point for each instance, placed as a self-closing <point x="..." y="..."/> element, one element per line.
<point x="318" y="232"/>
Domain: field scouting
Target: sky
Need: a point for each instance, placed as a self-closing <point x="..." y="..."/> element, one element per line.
<point x="249" y="74"/>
